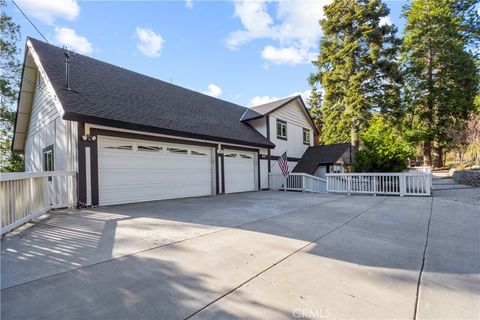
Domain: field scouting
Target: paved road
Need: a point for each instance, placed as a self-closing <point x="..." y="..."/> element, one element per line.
<point x="252" y="255"/>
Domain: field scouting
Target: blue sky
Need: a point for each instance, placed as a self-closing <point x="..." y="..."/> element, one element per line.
<point x="247" y="52"/>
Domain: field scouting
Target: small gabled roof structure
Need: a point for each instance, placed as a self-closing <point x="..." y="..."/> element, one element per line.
<point x="321" y="155"/>
<point x="270" y="107"/>
<point x="104" y="94"/>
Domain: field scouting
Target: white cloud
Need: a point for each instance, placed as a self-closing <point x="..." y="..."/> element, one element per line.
<point x="189" y="4"/>
<point x="258" y="100"/>
<point x="48" y="11"/>
<point x="149" y="43"/>
<point x="295" y="28"/>
<point x="69" y="37"/>
<point x="213" y="90"/>
<point x="287" y="55"/>
<point x="386" y="21"/>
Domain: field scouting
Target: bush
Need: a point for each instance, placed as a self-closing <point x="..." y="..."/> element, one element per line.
<point x="383" y="148"/>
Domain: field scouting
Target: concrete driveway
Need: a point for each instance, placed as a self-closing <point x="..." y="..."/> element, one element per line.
<point x="263" y="255"/>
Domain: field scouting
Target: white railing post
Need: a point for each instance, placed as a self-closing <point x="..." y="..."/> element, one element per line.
<point x="374" y="186"/>
<point x="30" y="198"/>
<point x="428" y="184"/>
<point x="349" y="182"/>
<point x="403" y="181"/>
<point x="303" y="183"/>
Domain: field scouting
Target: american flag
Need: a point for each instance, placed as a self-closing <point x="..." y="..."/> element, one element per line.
<point x="283" y="164"/>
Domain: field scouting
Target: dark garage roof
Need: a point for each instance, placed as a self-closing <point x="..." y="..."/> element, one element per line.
<point x="318" y="155"/>
<point x="109" y="95"/>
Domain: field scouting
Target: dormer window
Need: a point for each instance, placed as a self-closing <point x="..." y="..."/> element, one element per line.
<point x="306" y="136"/>
<point x="281" y="129"/>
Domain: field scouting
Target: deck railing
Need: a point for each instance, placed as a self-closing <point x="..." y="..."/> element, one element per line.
<point x="297" y="182"/>
<point x="401" y="184"/>
<point x="27" y="195"/>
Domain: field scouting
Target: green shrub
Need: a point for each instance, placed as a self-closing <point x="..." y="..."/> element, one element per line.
<point x="383" y="148"/>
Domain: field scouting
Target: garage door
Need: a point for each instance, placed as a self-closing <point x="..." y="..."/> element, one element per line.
<point x="134" y="171"/>
<point x="239" y="171"/>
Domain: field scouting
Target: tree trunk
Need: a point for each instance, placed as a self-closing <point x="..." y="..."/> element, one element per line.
<point x="427" y="153"/>
<point x="438" y="156"/>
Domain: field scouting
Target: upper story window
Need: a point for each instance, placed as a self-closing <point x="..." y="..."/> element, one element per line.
<point x="48" y="159"/>
<point x="281" y="129"/>
<point x="306" y="136"/>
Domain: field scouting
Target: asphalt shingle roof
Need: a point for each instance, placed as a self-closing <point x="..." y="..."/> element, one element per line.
<point x="271" y="106"/>
<point x="109" y="95"/>
<point x="321" y="154"/>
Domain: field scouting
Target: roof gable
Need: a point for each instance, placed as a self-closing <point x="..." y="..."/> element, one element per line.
<point x="321" y="154"/>
<point x="106" y="94"/>
<point x="271" y="107"/>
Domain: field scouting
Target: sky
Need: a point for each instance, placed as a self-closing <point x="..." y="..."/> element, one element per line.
<point x="246" y="52"/>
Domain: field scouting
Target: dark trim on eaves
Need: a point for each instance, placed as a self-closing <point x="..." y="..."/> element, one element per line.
<point x="137" y="127"/>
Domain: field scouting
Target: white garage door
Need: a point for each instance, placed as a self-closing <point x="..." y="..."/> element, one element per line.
<point x="134" y="171"/>
<point x="239" y="171"/>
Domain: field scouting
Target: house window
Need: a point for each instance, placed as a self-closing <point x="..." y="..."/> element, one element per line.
<point x="177" y="150"/>
<point x="149" y="148"/>
<point x="48" y="161"/>
<point x="281" y="129"/>
<point x="230" y="155"/>
<point x="306" y="136"/>
<point x="197" y="153"/>
<point x="119" y="147"/>
<point x="48" y="158"/>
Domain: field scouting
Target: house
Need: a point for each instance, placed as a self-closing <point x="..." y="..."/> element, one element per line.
<point x="133" y="138"/>
<point x="322" y="159"/>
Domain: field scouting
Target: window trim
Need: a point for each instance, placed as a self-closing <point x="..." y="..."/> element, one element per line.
<point x="305" y="130"/>
<point x="46" y="151"/>
<point x="286" y="133"/>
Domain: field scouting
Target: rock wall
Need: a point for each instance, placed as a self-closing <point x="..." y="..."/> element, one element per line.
<point x="468" y="177"/>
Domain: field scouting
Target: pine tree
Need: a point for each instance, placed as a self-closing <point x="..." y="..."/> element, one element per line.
<point x="441" y="76"/>
<point x="9" y="82"/>
<point x="357" y="68"/>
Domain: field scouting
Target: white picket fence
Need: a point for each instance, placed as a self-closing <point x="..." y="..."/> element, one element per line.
<point x="401" y="184"/>
<point x="297" y="182"/>
<point x="27" y="195"/>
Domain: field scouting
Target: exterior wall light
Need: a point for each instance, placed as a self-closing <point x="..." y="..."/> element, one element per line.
<point x="87" y="137"/>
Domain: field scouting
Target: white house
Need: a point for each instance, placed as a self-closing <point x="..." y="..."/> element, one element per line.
<point x="133" y="138"/>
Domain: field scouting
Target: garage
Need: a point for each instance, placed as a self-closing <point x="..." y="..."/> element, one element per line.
<point x="240" y="171"/>
<point x="134" y="170"/>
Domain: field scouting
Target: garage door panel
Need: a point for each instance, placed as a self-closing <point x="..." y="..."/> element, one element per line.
<point x="239" y="171"/>
<point x="134" y="175"/>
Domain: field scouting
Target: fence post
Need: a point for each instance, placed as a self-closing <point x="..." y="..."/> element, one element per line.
<point x="374" y="186"/>
<point x="402" y="180"/>
<point x="303" y="183"/>
<point x="428" y="184"/>
<point x="349" y="182"/>
<point x="285" y="185"/>
<point x="30" y="200"/>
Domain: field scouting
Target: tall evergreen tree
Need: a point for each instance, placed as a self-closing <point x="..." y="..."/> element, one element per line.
<point x="9" y="82"/>
<point x="357" y="68"/>
<point x="441" y="76"/>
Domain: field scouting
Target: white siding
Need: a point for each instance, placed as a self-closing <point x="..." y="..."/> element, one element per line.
<point x="297" y="120"/>
<point x="47" y="128"/>
<point x="260" y="125"/>
<point x="264" y="174"/>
